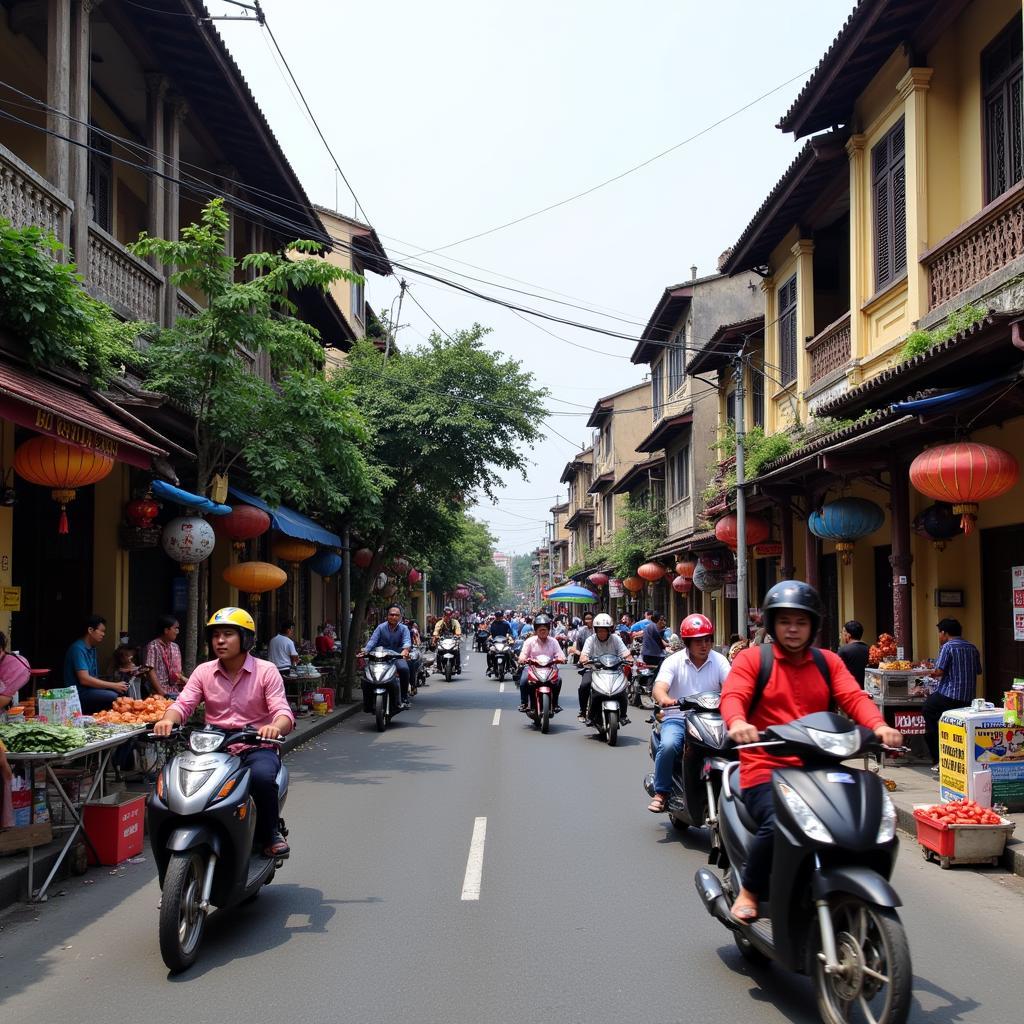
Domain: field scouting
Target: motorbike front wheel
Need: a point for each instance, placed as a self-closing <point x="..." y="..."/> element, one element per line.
<point x="613" y="728"/>
<point x="501" y="674"/>
<point x="182" y="920"/>
<point x="447" y="671"/>
<point x="380" y="710"/>
<point x="636" y="695"/>
<point x="876" y="978"/>
<point x="545" y="711"/>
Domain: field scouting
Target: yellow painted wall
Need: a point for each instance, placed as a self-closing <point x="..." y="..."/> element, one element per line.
<point x="110" y="594"/>
<point x="24" y="67"/>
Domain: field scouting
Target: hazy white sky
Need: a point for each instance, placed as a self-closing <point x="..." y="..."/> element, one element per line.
<point x="454" y="116"/>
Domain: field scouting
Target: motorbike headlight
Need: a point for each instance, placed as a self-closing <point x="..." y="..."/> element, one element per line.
<point x="205" y="742"/>
<point x="887" y="829"/>
<point x="841" y="744"/>
<point x="811" y="824"/>
<point x="692" y="730"/>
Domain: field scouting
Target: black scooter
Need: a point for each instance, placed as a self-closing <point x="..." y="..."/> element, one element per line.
<point x="499" y="656"/>
<point x="201" y="822"/>
<point x="831" y="913"/>
<point x="697" y="772"/>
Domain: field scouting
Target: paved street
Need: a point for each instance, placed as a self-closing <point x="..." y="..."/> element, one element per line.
<point x="586" y="910"/>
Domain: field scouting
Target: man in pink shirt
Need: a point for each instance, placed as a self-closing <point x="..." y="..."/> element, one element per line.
<point x="240" y="690"/>
<point x="535" y="646"/>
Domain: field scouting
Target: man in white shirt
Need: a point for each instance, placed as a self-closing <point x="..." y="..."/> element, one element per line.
<point x="697" y="668"/>
<point x="282" y="650"/>
<point x="601" y="641"/>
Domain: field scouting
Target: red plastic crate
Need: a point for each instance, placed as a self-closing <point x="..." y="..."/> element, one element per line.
<point x="961" y="844"/>
<point x="115" y="827"/>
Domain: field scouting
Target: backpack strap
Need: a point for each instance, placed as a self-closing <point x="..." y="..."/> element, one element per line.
<point x="768" y="664"/>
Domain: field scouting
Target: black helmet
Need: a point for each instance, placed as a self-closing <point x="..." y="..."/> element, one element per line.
<point x="795" y="595"/>
<point x="542" y="620"/>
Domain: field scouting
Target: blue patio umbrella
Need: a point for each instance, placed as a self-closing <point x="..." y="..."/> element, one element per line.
<point x="571" y="593"/>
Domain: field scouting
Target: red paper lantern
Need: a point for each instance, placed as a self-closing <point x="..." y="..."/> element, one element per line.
<point x="633" y="584"/>
<point x="142" y="512"/>
<point x="682" y="584"/>
<point x="758" y="530"/>
<point x="651" y="571"/>
<point x="963" y="474"/>
<point x="414" y="577"/>
<point x="599" y="579"/>
<point x="362" y="558"/>
<point x="686" y="569"/>
<point x="242" y="523"/>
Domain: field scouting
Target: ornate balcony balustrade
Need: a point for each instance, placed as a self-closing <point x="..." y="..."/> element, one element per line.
<point x="126" y="283"/>
<point x="979" y="247"/>
<point x="830" y="349"/>
<point x="27" y="198"/>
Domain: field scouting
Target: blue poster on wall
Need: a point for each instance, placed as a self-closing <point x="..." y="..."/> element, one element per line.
<point x="179" y="595"/>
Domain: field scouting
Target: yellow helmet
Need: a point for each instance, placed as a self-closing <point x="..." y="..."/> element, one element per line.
<point x="237" y="617"/>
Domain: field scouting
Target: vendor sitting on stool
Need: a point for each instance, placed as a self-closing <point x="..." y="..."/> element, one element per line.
<point x="82" y="669"/>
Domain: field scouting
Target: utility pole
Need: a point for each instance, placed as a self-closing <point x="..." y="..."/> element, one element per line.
<point x="551" y="555"/>
<point x="345" y="625"/>
<point x="425" y="633"/>
<point x="741" y="501"/>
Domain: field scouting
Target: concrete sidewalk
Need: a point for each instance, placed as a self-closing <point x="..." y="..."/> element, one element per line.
<point x="918" y="785"/>
<point x="14" y="868"/>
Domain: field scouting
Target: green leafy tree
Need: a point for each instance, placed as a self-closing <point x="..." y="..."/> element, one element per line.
<point x="469" y="555"/>
<point x="300" y="437"/>
<point x="448" y="418"/>
<point x="634" y="542"/>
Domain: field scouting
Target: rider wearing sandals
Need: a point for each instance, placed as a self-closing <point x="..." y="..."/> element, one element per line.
<point x="800" y="681"/>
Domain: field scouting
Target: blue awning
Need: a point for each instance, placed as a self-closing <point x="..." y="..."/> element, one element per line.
<point x="168" y="492"/>
<point x="290" y="522"/>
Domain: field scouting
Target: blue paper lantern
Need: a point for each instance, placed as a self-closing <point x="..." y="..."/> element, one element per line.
<point x="843" y="521"/>
<point x="938" y="523"/>
<point x="325" y="562"/>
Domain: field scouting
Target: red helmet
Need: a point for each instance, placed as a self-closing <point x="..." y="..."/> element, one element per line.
<point x="694" y="626"/>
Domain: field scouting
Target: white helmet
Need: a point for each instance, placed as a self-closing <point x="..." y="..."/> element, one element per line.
<point x="603" y="620"/>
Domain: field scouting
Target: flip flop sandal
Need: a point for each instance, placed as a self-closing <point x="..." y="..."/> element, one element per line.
<point x="659" y="805"/>
<point x="746" y="914"/>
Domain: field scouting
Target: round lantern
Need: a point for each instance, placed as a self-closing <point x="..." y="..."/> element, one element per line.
<point x="414" y="577"/>
<point x="61" y="467"/>
<point x="400" y="566"/>
<point x="843" y="521"/>
<point x="188" y="540"/>
<point x="381" y="581"/>
<point x="651" y="571"/>
<point x="292" y="550"/>
<point x="599" y="579"/>
<point x="758" y="529"/>
<point x="389" y="591"/>
<point x="362" y="558"/>
<point x="682" y="584"/>
<point x="242" y="523"/>
<point x="938" y="523"/>
<point x="633" y="584"/>
<point x="717" y="561"/>
<point x="707" y="580"/>
<point x="142" y="512"/>
<point x="255" y="578"/>
<point x="963" y="474"/>
<point x="462" y="593"/>
<point x="325" y="563"/>
<point x="686" y="569"/>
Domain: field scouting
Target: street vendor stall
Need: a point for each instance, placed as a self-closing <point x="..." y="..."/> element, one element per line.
<point x="88" y="747"/>
<point x="899" y="693"/>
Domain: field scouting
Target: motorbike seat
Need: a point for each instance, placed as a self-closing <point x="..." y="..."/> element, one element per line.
<point x="733" y="772"/>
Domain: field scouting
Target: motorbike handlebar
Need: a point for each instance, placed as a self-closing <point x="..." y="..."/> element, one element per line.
<point x="246" y="735"/>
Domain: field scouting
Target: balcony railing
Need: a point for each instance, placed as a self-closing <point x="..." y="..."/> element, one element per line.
<point x="186" y="305"/>
<point x="981" y="246"/>
<point x="126" y="283"/>
<point x="830" y="349"/>
<point x="27" y="198"/>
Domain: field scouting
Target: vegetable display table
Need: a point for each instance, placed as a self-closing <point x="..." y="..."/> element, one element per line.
<point x="102" y="749"/>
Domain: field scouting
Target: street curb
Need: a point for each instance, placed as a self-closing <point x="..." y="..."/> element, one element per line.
<point x="1012" y="858"/>
<point x="295" y="740"/>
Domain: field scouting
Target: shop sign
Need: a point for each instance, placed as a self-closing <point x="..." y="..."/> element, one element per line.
<point x="10" y="599"/>
<point x="731" y="590"/>
<point x="952" y="760"/>
<point x="910" y="723"/>
<point x="769" y="549"/>
<point x="1017" y="583"/>
<point x="615" y="589"/>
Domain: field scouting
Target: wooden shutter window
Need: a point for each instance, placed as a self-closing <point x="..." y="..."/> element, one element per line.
<point x="787" y="330"/>
<point x="1001" y="86"/>
<point x="889" y="184"/>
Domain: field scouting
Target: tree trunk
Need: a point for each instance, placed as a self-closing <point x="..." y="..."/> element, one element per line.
<point x="191" y="624"/>
<point x="360" y="602"/>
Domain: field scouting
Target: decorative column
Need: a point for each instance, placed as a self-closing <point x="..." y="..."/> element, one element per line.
<point x="913" y="90"/>
<point x="78" y="157"/>
<point x="58" y="88"/>
<point x="172" y="211"/>
<point x="771" y="352"/>
<point x="787" y="564"/>
<point x="803" y="250"/>
<point x="901" y="558"/>
<point x="861" y="282"/>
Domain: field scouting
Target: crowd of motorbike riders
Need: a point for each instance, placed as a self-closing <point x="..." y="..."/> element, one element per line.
<point x="239" y="691"/>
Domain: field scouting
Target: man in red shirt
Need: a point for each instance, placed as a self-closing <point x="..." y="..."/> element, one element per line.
<point x="792" y="612"/>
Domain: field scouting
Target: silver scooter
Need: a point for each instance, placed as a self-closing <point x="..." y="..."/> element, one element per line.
<point x="382" y="695"/>
<point x="201" y="821"/>
<point x="608" y="683"/>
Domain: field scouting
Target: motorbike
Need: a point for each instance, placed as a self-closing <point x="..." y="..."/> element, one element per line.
<point x="448" y="655"/>
<point x="500" y="653"/>
<point x="697" y="772"/>
<point x="382" y="695"/>
<point x="480" y="638"/>
<point x="201" y="821"/>
<point x="428" y="661"/>
<point x="641" y="682"/>
<point x="831" y="913"/>
<point x="607" y="684"/>
<point x="542" y="674"/>
<point x="417" y="673"/>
